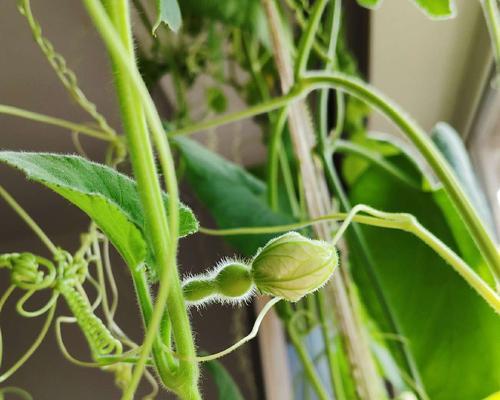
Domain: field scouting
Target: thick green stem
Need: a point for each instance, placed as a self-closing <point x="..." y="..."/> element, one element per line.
<point x="421" y="140"/>
<point x="335" y="376"/>
<point x="307" y="363"/>
<point x="365" y="92"/>
<point x="307" y="40"/>
<point x="137" y="104"/>
<point x="492" y="15"/>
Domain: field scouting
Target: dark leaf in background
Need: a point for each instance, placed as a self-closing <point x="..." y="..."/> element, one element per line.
<point x="451" y="332"/>
<point x="234" y="197"/>
<point x="226" y="387"/>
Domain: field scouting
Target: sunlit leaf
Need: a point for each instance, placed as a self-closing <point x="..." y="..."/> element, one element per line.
<point x="168" y="11"/>
<point x="370" y="3"/>
<point x="440" y="9"/>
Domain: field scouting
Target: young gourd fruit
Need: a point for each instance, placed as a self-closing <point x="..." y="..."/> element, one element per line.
<point x="289" y="267"/>
<point x="231" y="280"/>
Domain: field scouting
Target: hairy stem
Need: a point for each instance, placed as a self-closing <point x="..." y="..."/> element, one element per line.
<point x="46" y="119"/>
<point x="29" y="221"/>
<point x="164" y="235"/>
<point x="492" y="15"/>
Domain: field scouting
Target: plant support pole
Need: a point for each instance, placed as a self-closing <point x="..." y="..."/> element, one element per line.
<point x="364" y="371"/>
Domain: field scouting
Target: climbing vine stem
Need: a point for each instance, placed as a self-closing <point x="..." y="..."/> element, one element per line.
<point x="492" y="15"/>
<point x="29" y="221"/>
<point x="183" y="379"/>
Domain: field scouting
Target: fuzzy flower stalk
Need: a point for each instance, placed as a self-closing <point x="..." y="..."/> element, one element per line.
<point x="288" y="267"/>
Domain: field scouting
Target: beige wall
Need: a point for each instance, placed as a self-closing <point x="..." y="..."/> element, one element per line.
<point x="431" y="68"/>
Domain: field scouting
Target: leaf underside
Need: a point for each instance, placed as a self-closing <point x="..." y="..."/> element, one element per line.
<point x="110" y="198"/>
<point x="168" y="11"/>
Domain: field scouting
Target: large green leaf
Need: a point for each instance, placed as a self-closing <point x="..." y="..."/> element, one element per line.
<point x="226" y="387"/>
<point x="111" y="199"/>
<point x="451" y="332"/>
<point x="168" y="11"/>
<point x="234" y="197"/>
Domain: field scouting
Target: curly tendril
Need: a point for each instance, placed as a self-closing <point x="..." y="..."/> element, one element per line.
<point x="25" y="272"/>
<point x="64" y="73"/>
<point x="99" y="338"/>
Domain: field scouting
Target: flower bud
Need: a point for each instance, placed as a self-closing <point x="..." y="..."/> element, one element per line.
<point x="291" y="266"/>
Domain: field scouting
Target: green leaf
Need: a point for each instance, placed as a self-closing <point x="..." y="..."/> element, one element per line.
<point x="241" y="13"/>
<point x="168" y="12"/>
<point x="354" y="165"/>
<point x="216" y="99"/>
<point x="451" y="332"/>
<point x="234" y="197"/>
<point x="435" y="9"/>
<point x="451" y="146"/>
<point x="245" y="14"/>
<point x="438" y="9"/>
<point x="226" y="387"/>
<point x="449" y="142"/>
<point x="370" y="3"/>
<point x="111" y="199"/>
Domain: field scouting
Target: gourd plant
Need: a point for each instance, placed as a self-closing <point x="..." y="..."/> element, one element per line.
<point x="392" y="264"/>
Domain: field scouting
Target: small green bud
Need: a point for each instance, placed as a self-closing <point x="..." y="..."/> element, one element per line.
<point x="291" y="266"/>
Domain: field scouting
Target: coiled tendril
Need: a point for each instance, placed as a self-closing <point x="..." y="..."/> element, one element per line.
<point x="65" y="74"/>
<point x="25" y="271"/>
<point x="72" y="274"/>
<point x="99" y="338"/>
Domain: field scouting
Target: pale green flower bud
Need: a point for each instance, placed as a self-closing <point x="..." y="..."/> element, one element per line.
<point x="291" y="266"/>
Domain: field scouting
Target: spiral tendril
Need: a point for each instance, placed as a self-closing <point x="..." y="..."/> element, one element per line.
<point x="25" y="271"/>
<point x="64" y="73"/>
<point x="100" y="340"/>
